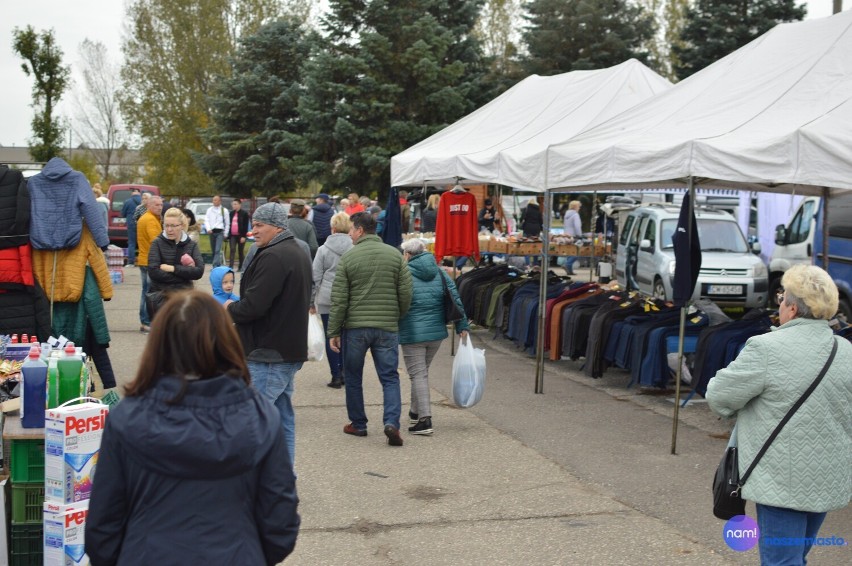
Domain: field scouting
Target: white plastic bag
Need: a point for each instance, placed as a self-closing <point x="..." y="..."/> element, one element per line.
<point x="468" y="374"/>
<point x="316" y="339"/>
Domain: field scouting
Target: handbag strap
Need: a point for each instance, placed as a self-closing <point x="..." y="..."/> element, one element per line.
<point x="790" y="414"/>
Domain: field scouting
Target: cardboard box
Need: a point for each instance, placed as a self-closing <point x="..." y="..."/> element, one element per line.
<point x="498" y="246"/>
<point x="72" y="441"/>
<point x="526" y="248"/>
<point x="64" y="534"/>
<point x="563" y="249"/>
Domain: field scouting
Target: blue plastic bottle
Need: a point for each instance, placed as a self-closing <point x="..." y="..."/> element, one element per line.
<point x="34" y="390"/>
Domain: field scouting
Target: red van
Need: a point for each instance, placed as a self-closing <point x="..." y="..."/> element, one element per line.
<point x="117" y="195"/>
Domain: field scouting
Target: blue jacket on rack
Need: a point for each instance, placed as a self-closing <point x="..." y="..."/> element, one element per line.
<point x="59" y="192"/>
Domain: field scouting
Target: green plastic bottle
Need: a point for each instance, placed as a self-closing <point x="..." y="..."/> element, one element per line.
<point x="70" y="368"/>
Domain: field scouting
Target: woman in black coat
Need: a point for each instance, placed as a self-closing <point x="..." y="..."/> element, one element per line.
<point x="193" y="466"/>
<point x="174" y="261"/>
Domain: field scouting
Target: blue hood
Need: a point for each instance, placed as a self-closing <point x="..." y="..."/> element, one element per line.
<point x="216" y="277"/>
<point x="423" y="266"/>
<point x="56" y="168"/>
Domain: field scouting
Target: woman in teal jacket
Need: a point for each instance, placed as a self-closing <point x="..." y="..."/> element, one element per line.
<point x="807" y="470"/>
<point x="422" y="329"/>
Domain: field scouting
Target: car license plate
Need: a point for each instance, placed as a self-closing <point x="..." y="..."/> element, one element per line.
<point x="724" y="289"/>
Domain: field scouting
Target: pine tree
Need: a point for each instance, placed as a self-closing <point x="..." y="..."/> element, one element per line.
<point x="390" y="74"/>
<point x="256" y="129"/>
<point x="569" y="35"/>
<point x="715" y="28"/>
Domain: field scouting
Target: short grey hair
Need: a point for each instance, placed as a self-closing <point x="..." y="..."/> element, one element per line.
<point x="413" y="247"/>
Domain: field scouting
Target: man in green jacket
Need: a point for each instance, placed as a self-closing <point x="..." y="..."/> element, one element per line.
<point x="371" y="292"/>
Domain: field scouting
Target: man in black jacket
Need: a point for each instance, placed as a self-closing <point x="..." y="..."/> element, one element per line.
<point x="237" y="232"/>
<point x="272" y="313"/>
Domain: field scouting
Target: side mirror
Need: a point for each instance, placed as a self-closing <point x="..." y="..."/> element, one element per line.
<point x="645" y="245"/>
<point x="755" y="248"/>
<point x="780" y="235"/>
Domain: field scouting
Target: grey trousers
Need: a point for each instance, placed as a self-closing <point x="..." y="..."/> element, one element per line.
<point x="418" y="357"/>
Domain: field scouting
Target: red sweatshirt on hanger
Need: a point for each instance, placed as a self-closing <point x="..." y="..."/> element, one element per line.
<point x="457" y="228"/>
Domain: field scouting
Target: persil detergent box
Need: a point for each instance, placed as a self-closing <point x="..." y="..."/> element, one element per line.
<point x="72" y="440"/>
<point x="64" y="530"/>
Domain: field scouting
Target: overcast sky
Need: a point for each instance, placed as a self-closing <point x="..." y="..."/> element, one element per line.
<point x="99" y="20"/>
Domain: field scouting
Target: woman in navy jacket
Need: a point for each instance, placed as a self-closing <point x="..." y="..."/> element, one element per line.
<point x="193" y="466"/>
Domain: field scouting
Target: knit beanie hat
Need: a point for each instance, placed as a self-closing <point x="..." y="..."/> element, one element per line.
<point x="271" y="213"/>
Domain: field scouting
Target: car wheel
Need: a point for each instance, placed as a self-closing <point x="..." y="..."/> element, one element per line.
<point x="659" y="289"/>
<point x="774" y="286"/>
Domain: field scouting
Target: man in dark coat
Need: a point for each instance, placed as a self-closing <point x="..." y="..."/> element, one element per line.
<point x="127" y="211"/>
<point x="323" y="211"/>
<point x="272" y="313"/>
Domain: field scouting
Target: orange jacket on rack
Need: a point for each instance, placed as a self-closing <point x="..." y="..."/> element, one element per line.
<point x="61" y="273"/>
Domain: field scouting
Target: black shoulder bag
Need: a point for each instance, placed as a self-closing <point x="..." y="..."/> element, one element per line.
<point x="451" y="309"/>
<point x="727" y="485"/>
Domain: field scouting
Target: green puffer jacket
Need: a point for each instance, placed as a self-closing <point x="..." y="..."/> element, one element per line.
<point x="808" y="467"/>
<point x="425" y="319"/>
<point x="372" y="288"/>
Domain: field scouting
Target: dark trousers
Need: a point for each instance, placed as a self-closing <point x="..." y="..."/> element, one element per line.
<point x="99" y="355"/>
<point x="234" y="245"/>
<point x="335" y="359"/>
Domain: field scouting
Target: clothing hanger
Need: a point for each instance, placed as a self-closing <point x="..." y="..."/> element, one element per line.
<point x="458" y="188"/>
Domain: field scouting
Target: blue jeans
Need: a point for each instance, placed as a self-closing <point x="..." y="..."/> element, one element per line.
<point x="131" y="241"/>
<point x="275" y="382"/>
<point x="335" y="359"/>
<point x="216" y="239"/>
<point x="143" y="308"/>
<point x="778" y="522"/>
<point x="567" y="262"/>
<point x="384" y="347"/>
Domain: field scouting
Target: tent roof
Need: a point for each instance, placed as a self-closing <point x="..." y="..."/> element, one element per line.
<point x="774" y="115"/>
<point x="522" y="122"/>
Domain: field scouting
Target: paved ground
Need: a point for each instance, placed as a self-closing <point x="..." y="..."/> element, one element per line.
<point x="579" y="475"/>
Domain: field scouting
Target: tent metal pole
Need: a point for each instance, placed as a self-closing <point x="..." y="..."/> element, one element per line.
<point x="825" y="196"/>
<point x="681" y="329"/>
<point x="542" y="294"/>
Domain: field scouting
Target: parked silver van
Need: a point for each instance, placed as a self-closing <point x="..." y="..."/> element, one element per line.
<point x="731" y="274"/>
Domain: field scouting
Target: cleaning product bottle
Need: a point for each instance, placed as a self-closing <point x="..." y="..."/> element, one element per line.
<point x="52" y="378"/>
<point x="70" y="368"/>
<point x="33" y="390"/>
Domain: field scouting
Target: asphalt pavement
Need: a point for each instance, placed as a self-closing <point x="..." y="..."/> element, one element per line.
<point x="581" y="474"/>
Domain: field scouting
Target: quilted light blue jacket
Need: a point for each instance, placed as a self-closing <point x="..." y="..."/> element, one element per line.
<point x="808" y="467"/>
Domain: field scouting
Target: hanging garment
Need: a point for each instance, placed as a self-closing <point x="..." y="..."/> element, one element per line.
<point x="457" y="231"/>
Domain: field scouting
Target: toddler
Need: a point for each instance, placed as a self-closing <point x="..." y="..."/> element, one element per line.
<point x="222" y="280"/>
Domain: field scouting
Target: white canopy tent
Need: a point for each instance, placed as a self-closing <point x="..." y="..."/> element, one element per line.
<point x="504" y="141"/>
<point x="775" y="115"/>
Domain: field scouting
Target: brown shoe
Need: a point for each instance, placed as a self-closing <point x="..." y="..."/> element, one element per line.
<point x="394" y="439"/>
<point x="350" y="429"/>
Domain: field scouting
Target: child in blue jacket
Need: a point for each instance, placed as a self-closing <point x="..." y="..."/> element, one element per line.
<point x="222" y="279"/>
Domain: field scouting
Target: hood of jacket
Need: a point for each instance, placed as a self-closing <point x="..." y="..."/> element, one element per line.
<point x="423" y="267"/>
<point x="56" y="168"/>
<point x="216" y="276"/>
<point x="339" y="243"/>
<point x="221" y="428"/>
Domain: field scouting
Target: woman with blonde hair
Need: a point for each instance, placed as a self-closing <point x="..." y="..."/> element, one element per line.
<point x="192" y="443"/>
<point x="174" y="260"/>
<point x="805" y="472"/>
<point x="325" y="268"/>
<point x="429" y="217"/>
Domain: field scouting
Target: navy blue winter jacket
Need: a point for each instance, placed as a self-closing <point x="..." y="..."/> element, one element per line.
<point x="322" y="220"/>
<point x="60" y="200"/>
<point x="206" y="480"/>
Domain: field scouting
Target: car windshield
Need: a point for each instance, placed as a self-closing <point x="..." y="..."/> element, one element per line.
<point x="715" y="235"/>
